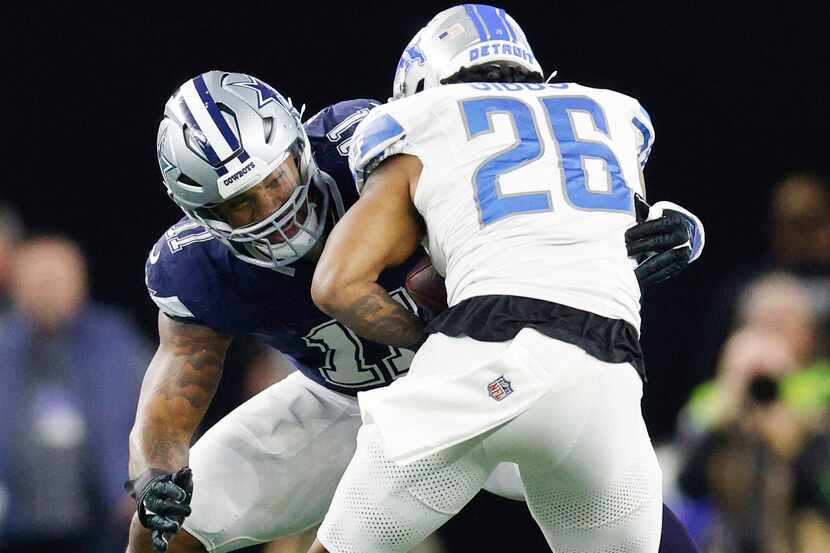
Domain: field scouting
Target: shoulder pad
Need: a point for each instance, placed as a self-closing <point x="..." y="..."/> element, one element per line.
<point x="174" y="275"/>
<point x="379" y="136"/>
<point x="408" y="125"/>
<point x="640" y="120"/>
<point x="337" y="122"/>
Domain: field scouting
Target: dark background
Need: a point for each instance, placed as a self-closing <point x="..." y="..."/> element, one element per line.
<point x="737" y="97"/>
<point x="737" y="94"/>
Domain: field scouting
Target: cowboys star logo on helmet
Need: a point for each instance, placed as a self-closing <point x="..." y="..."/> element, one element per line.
<point x="164" y="163"/>
<point x="265" y="93"/>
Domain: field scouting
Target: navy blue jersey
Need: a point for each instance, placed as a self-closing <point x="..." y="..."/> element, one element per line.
<point x="191" y="275"/>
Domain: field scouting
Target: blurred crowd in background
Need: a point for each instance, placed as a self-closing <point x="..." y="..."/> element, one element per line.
<point x="748" y="469"/>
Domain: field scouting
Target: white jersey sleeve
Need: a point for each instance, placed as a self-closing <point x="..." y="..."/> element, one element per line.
<point x="641" y="122"/>
<point x="390" y="129"/>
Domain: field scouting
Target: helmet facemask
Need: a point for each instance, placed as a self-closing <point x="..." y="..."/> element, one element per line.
<point x="290" y="231"/>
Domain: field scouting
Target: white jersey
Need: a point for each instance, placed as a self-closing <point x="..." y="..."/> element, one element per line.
<point x="526" y="189"/>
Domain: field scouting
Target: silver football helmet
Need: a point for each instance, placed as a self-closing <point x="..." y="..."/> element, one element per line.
<point x="461" y="36"/>
<point x="222" y="136"/>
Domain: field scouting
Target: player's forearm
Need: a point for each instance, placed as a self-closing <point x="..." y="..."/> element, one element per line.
<point x="371" y="313"/>
<point x="177" y="390"/>
<point x="157" y="447"/>
<point x="165" y="424"/>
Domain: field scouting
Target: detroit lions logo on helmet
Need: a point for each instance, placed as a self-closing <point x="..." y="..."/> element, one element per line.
<point x="411" y="55"/>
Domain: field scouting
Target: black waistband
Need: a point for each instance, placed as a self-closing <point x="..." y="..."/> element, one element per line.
<point x="500" y="318"/>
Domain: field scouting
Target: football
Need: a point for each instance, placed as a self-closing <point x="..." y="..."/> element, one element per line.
<point x="426" y="287"/>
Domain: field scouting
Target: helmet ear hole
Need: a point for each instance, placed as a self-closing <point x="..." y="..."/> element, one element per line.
<point x="184" y="180"/>
<point x="268" y="128"/>
<point x="420" y="86"/>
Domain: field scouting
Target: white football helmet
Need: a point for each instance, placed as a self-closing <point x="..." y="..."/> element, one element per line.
<point x="461" y="36"/>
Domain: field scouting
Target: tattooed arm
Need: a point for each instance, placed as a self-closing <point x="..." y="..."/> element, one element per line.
<point x="177" y="389"/>
<point x="381" y="230"/>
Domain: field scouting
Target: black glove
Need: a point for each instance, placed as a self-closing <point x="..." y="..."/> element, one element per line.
<point x="163" y="502"/>
<point x="654" y="244"/>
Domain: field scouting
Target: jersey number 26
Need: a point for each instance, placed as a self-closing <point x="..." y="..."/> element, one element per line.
<point x="528" y="147"/>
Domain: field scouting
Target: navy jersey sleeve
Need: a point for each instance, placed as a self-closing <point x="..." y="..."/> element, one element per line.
<point x="172" y="272"/>
<point x="337" y="122"/>
<point x="330" y="133"/>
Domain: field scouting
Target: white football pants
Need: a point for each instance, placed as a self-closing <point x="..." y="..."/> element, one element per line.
<point x="590" y="475"/>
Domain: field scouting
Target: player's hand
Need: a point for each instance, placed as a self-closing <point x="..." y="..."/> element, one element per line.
<point x="163" y="502"/>
<point x="662" y="245"/>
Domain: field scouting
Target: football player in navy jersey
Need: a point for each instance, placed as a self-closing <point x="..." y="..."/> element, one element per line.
<point x="260" y="191"/>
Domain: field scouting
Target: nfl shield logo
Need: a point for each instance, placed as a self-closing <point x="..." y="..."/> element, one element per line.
<point x="500" y="388"/>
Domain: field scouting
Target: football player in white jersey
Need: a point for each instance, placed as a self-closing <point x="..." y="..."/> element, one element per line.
<point x="522" y="192"/>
